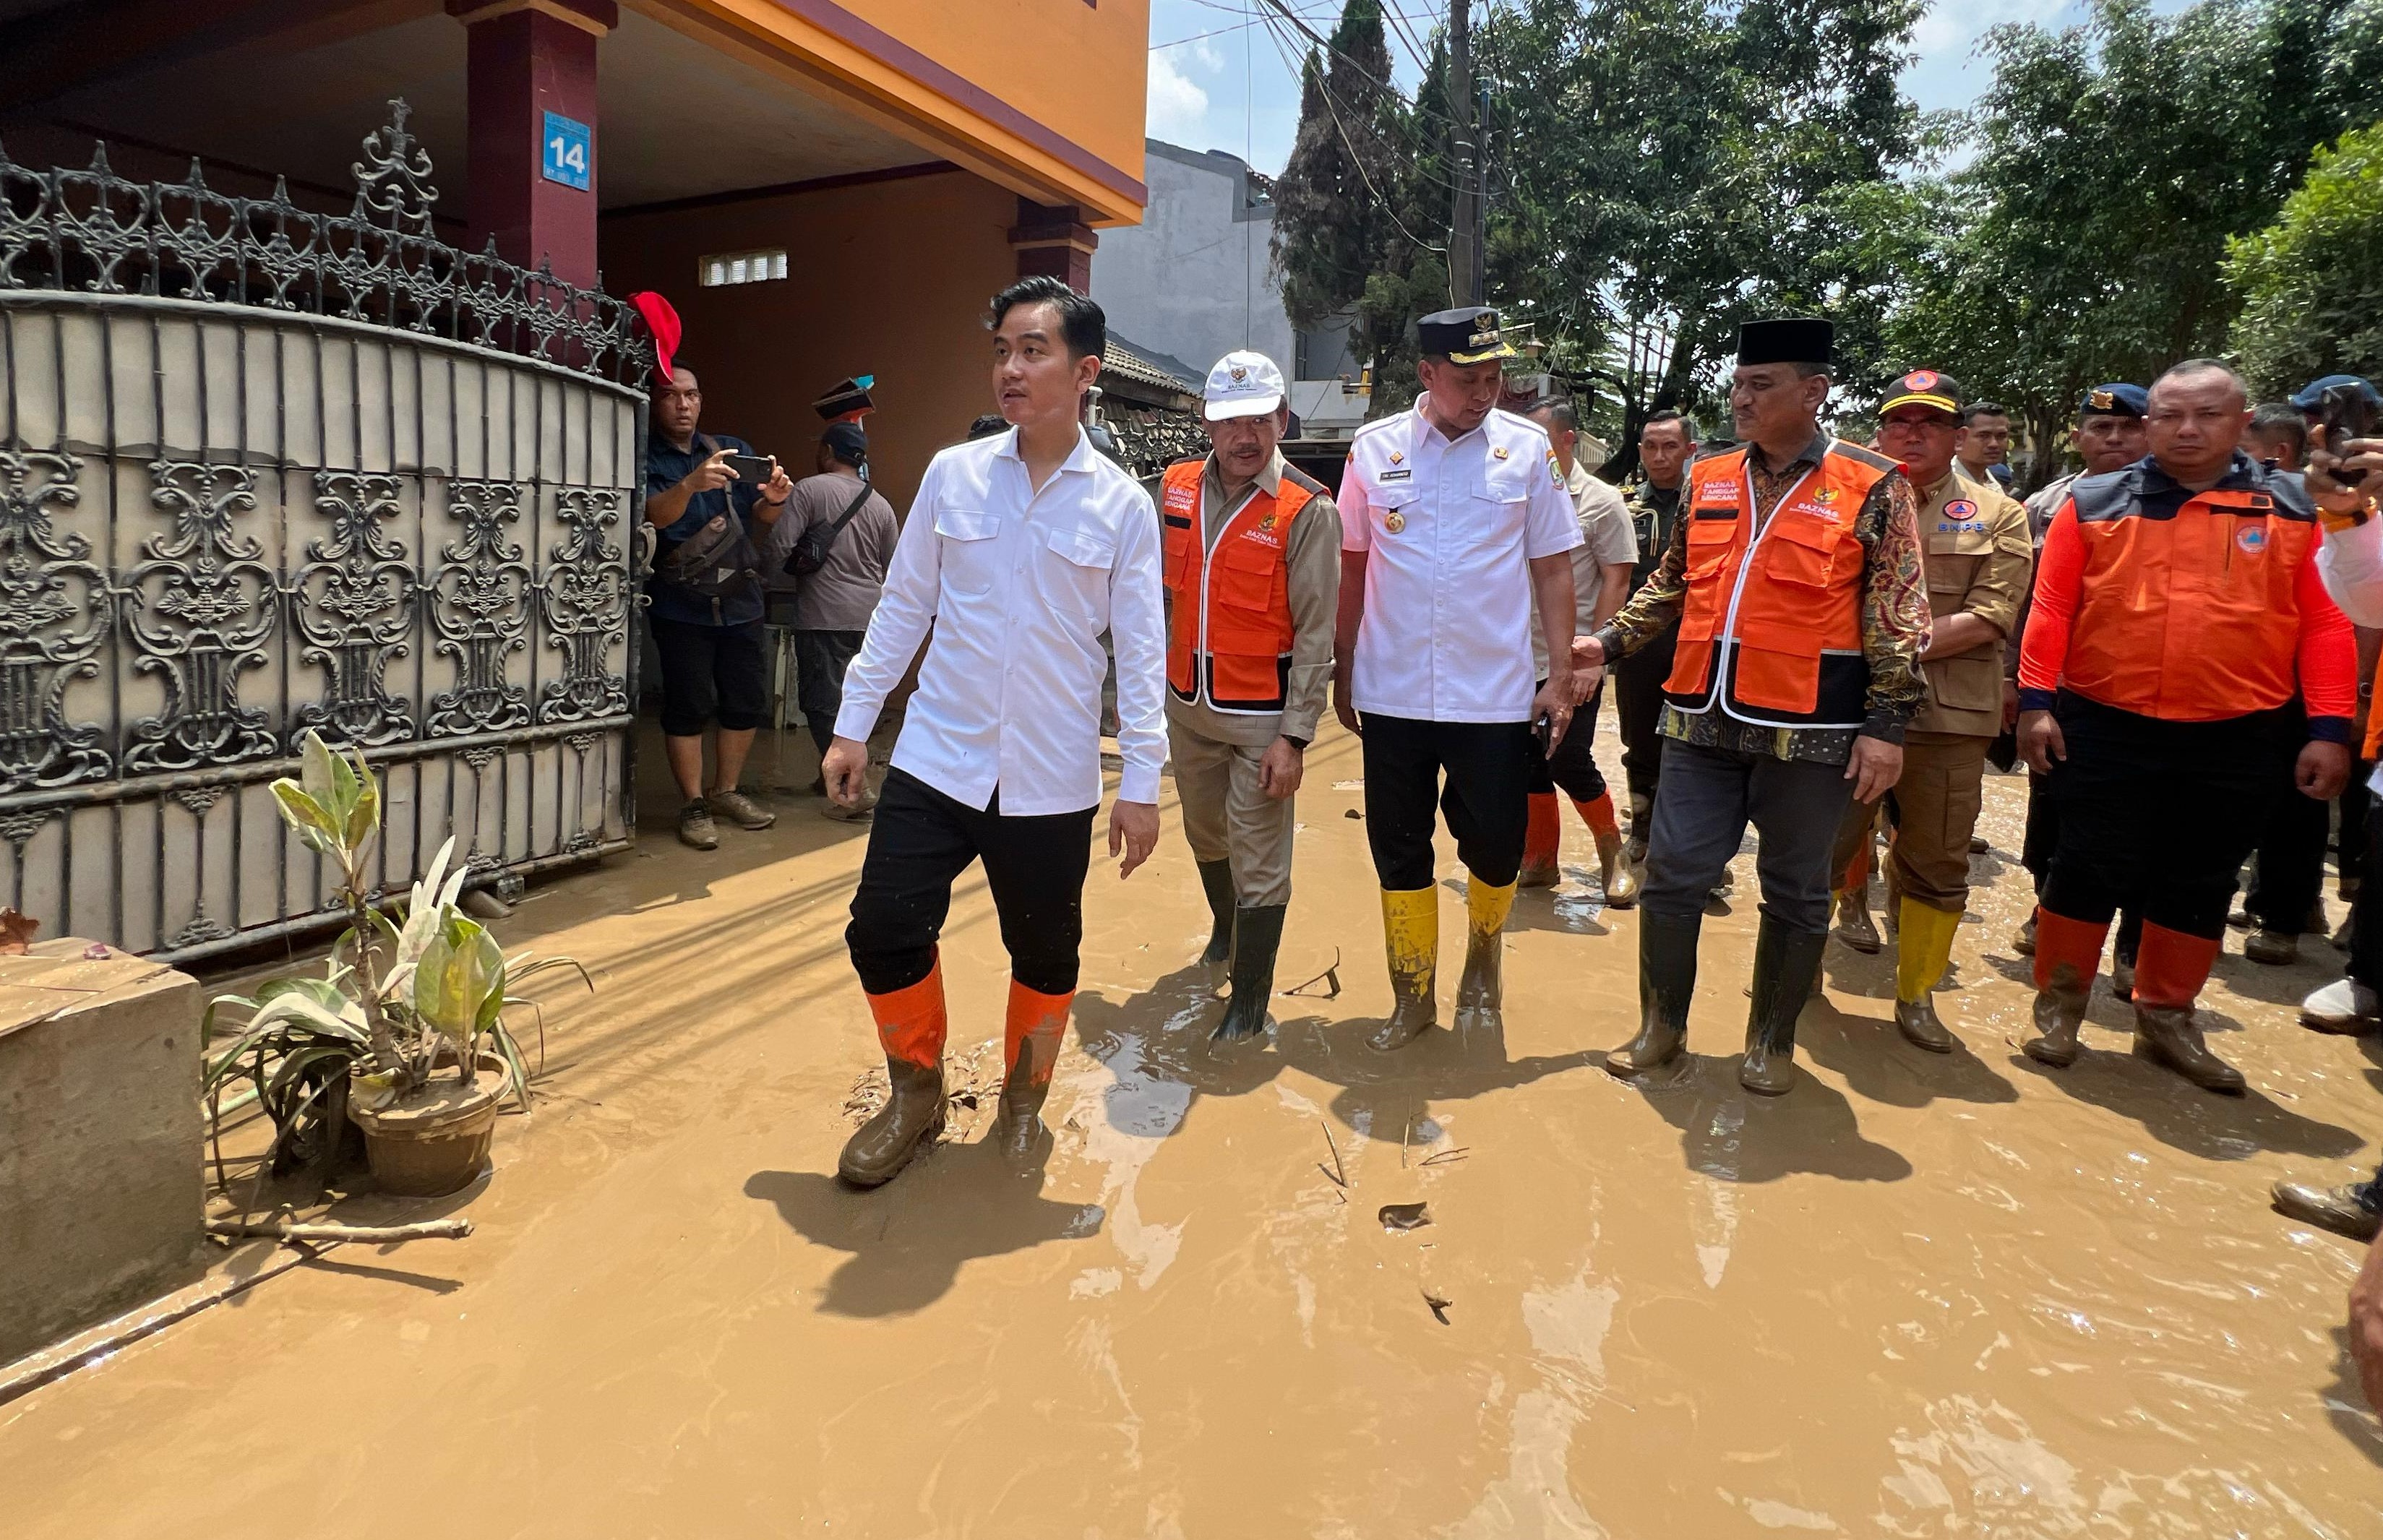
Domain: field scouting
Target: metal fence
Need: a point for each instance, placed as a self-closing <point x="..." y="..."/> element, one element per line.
<point x="262" y="471"/>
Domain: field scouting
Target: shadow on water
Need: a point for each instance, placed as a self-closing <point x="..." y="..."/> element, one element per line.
<point x="908" y="1239"/>
<point x="1879" y="1066"/>
<point x="2345" y="1403"/>
<point x="1728" y="1133"/>
<point x="2185" y="1117"/>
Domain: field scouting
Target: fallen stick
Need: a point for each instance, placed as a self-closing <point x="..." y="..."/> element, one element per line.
<point x="284" y="1230"/>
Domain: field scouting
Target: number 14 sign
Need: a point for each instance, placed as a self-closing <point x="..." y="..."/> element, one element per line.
<point x="566" y="151"/>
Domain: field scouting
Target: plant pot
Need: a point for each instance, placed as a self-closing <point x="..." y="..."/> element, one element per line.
<point x="434" y="1143"/>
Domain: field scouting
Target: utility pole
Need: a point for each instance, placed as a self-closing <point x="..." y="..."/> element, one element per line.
<point x="1464" y="224"/>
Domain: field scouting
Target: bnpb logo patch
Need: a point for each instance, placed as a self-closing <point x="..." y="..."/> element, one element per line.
<point x="1961" y="508"/>
<point x="2250" y="539"/>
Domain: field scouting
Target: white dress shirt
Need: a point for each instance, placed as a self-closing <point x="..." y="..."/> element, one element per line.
<point x="1019" y="585"/>
<point x="1451" y="528"/>
<point x="2351" y="563"/>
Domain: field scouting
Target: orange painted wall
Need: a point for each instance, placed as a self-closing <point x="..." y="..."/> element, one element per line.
<point x="1009" y="48"/>
<point x="889" y="278"/>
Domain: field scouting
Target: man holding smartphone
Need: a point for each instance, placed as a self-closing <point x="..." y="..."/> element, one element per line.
<point x="1454" y="523"/>
<point x="706" y="618"/>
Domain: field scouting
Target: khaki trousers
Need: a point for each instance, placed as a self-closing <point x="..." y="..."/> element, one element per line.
<point x="1226" y="817"/>
<point x="1934" y="809"/>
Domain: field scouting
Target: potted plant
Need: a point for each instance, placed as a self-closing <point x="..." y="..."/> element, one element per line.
<point x="398" y="1001"/>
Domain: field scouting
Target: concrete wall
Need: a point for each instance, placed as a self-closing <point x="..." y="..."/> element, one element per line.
<point x="1193" y="280"/>
<point x="885" y="278"/>
<point x="101" y="1164"/>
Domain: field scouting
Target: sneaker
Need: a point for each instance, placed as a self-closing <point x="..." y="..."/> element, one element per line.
<point x="747" y="813"/>
<point x="695" y="826"/>
<point x="2274" y="948"/>
<point x="2344" y="1006"/>
<point x="858" y="813"/>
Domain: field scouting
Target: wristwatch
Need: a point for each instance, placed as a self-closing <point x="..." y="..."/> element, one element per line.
<point x="1299" y="744"/>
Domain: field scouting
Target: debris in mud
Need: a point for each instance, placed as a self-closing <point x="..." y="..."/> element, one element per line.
<point x="1405" y="1216"/>
<point x="1337" y="1172"/>
<point x="16" y="931"/>
<point x="1438" y="1306"/>
<point x="971" y="1082"/>
<point x="1329" y="978"/>
<point x="1352" y="813"/>
<point x="1358" y="785"/>
<point x="1441" y="1157"/>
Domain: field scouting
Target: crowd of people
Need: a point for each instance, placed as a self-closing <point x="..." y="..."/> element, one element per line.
<point x="1828" y="639"/>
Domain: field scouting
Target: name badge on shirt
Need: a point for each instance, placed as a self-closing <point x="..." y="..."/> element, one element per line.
<point x="1402" y="473"/>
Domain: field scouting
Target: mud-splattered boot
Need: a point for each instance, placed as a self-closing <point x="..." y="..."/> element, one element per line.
<point x="2169" y="972"/>
<point x="1482" y="986"/>
<point x="1410" y="937"/>
<point x="910" y="1025"/>
<point x="1542" y="844"/>
<point x="2067" y="954"/>
<point x="1667" y="978"/>
<point x="1642" y="820"/>
<point x="1855" y="927"/>
<point x="2355" y="1209"/>
<point x="1257" y="936"/>
<point x="1216" y="882"/>
<point x="1030" y="1041"/>
<point x="1784" y="962"/>
<point x="1923" y="947"/>
<point x="1613" y="873"/>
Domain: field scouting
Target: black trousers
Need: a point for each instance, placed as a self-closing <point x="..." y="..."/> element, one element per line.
<point x="1709" y="798"/>
<point x="1572" y="768"/>
<point x="821" y="657"/>
<point x="2288" y="871"/>
<point x="1486" y="799"/>
<point x="2365" y="916"/>
<point x="921" y="843"/>
<point x="2158" y="815"/>
<point x="1638" y="700"/>
<point x="2350" y="849"/>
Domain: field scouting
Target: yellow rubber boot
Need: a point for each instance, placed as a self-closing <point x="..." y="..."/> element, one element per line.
<point x="1482" y="988"/>
<point x="1411" y="936"/>
<point x="1923" y="945"/>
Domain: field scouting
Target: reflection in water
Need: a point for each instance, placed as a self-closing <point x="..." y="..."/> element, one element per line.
<point x="1122" y="1116"/>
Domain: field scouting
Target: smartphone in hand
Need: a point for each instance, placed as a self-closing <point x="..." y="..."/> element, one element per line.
<point x="2347" y="415"/>
<point x="752" y="467"/>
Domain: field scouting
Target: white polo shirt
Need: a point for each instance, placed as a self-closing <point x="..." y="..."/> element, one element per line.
<point x="1450" y="527"/>
<point x="1019" y="585"/>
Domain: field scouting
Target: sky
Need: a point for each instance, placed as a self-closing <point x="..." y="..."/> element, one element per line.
<point x="1203" y="51"/>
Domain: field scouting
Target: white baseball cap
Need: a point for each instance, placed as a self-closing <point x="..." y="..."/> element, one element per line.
<point x="1242" y="385"/>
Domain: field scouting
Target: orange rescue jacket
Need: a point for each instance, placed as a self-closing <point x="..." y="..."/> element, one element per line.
<point x="2188" y="606"/>
<point x="1771" y="625"/>
<point x="1230" y="628"/>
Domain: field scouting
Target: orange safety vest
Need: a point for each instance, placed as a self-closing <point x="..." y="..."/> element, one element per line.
<point x="1229" y="632"/>
<point x="2187" y="605"/>
<point x="1781" y="608"/>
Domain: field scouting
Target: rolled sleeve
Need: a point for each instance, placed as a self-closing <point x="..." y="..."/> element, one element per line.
<point x="1138" y="629"/>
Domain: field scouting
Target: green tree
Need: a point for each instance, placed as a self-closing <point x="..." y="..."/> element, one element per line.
<point x="1332" y="199"/>
<point x="2311" y="283"/>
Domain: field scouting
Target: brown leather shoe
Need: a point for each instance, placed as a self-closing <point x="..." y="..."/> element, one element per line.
<point x="740" y="809"/>
<point x="2339" y="1209"/>
<point x="910" y="1122"/>
<point x="2275" y="948"/>
<point x="2168" y="1035"/>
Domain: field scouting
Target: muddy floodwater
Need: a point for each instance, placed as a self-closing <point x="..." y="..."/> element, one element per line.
<point x="1920" y="1296"/>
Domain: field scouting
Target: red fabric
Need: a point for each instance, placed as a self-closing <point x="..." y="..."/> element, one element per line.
<point x="661" y="319"/>
<point x="1036" y="1022"/>
<point x="2328" y="647"/>
<point x="1543" y="836"/>
<point x="2073" y="944"/>
<point x="1598" y="815"/>
<point x="2171" y="966"/>
<point x="911" y="1023"/>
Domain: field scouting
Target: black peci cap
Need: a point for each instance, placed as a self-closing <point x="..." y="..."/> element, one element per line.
<point x="1466" y="335"/>
<point x="1789" y="340"/>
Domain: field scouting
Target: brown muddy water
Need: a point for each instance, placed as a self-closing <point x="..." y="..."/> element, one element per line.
<point x="1917" y="1297"/>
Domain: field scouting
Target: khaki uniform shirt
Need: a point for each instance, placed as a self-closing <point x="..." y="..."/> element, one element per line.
<point x="1311" y="555"/>
<point x="1978" y="558"/>
<point x="1606" y="539"/>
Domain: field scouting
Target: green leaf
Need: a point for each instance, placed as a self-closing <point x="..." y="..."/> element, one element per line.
<point x="305" y="814"/>
<point x="459" y="984"/>
<point x="318" y="773"/>
<point x="363" y="818"/>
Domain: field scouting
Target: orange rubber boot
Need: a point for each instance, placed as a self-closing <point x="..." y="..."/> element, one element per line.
<point x="911" y="1025"/>
<point x="1030" y="1047"/>
<point x="1542" y="844"/>
<point x="2067" y="954"/>
<point x="1613" y="872"/>
<point x="2169" y="970"/>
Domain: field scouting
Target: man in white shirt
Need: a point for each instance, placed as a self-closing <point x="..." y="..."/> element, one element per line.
<point x="1601" y="581"/>
<point x="1454" y="522"/>
<point x="1021" y="549"/>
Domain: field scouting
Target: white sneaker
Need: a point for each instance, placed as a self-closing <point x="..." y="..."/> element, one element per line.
<point x="2343" y="1006"/>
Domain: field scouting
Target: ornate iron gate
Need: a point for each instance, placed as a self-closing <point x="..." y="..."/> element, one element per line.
<point x="262" y="471"/>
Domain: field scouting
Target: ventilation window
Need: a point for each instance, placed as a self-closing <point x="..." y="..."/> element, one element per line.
<point x="744" y="267"/>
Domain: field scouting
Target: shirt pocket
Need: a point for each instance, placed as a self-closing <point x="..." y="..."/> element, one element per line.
<point x="1071" y="571"/>
<point x="1242" y="575"/>
<point x="1393" y="512"/>
<point x="1500" y="500"/>
<point x="972" y="564"/>
<point x="1711" y="536"/>
<point x="1800" y="549"/>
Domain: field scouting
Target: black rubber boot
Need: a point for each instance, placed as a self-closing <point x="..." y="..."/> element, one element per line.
<point x="1784" y="964"/>
<point x="910" y="1121"/>
<point x="1257" y="936"/>
<point x="1667" y="978"/>
<point x="1216" y="882"/>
